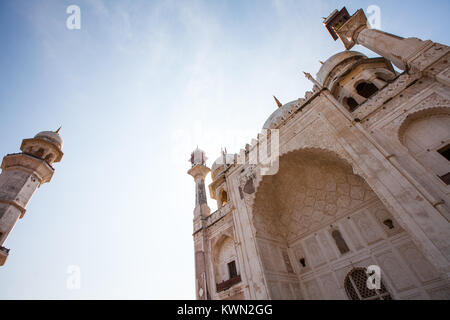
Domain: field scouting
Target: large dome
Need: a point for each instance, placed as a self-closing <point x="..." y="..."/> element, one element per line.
<point x="342" y="58"/>
<point x="51" y="137"/>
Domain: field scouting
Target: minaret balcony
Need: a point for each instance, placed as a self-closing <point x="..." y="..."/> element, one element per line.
<point x="4" y="252"/>
<point x="28" y="163"/>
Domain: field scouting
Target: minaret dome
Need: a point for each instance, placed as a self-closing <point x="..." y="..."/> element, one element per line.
<point x="198" y="157"/>
<point x="52" y="137"/>
<point x="46" y="145"/>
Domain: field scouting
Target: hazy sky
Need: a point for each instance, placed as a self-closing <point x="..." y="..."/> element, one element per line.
<point x="135" y="90"/>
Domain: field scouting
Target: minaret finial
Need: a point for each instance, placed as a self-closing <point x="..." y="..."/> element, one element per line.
<point x="279" y="104"/>
<point x="312" y="79"/>
<point x="57" y="131"/>
<point x="223" y="152"/>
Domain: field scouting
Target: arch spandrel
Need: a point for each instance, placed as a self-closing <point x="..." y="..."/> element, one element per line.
<point x="318" y="134"/>
<point x="316" y="137"/>
<point x="396" y="124"/>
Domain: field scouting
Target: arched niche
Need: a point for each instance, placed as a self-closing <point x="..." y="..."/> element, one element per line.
<point x="226" y="268"/>
<point x="366" y="89"/>
<point x="426" y="135"/>
<point x="350" y="103"/>
<point x="222" y="197"/>
<point x="300" y="219"/>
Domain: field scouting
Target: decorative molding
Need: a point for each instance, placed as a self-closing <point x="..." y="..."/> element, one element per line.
<point x="428" y="56"/>
<point x="384" y="95"/>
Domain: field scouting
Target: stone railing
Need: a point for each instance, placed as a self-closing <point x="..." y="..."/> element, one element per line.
<point x="218" y="214"/>
<point x="224" y="285"/>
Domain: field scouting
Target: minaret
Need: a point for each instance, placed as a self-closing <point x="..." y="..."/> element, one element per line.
<point x="402" y="52"/>
<point x="22" y="173"/>
<point x="198" y="171"/>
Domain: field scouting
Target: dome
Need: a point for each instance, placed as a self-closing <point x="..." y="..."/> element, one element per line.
<point x="218" y="165"/>
<point x="278" y="113"/>
<point x="52" y="137"/>
<point x="334" y="61"/>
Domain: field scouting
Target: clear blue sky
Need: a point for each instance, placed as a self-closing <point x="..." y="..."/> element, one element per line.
<point x="135" y="90"/>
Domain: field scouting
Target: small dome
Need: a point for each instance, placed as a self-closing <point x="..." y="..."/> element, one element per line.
<point x="278" y="113"/>
<point x="198" y="157"/>
<point x="220" y="162"/>
<point x="51" y="137"/>
<point x="334" y="61"/>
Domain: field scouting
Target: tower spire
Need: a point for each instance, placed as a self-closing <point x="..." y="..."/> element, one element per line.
<point x="57" y="131"/>
<point x="312" y="79"/>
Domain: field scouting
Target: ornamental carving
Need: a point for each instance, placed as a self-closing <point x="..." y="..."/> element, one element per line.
<point x="429" y="56"/>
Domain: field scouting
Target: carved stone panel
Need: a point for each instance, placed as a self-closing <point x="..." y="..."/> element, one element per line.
<point x="392" y="269"/>
<point x="313" y="290"/>
<point x="287" y="261"/>
<point x="315" y="255"/>
<point x="327" y="246"/>
<point x="386" y="220"/>
<point x="332" y="291"/>
<point x="423" y="269"/>
<point x="369" y="230"/>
